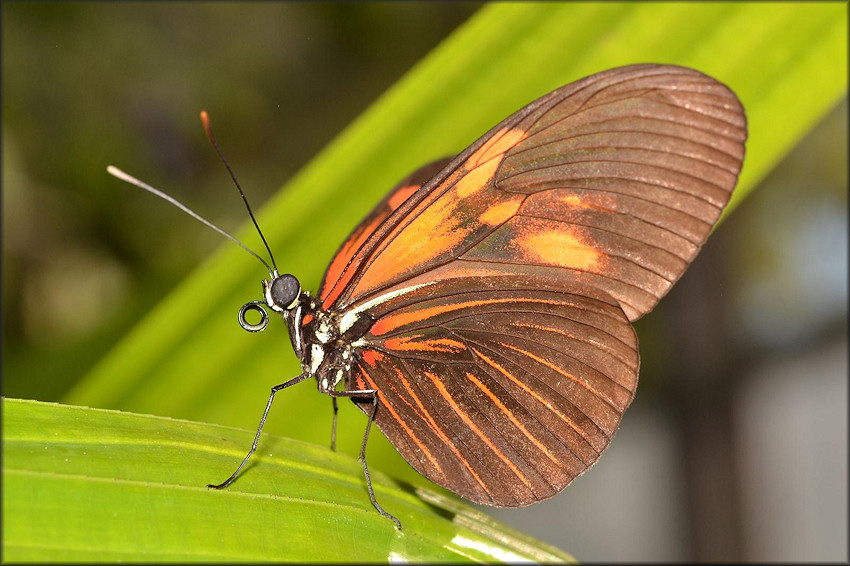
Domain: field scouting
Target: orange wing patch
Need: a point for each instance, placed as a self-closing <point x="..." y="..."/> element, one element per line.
<point x="476" y="179"/>
<point x="563" y="247"/>
<point x="401" y="195"/>
<point x="498" y="144"/>
<point x="501" y="211"/>
<point x="437" y="229"/>
<point x="464" y="207"/>
<point x="418" y="344"/>
<point x="486" y="160"/>
<point x="588" y="202"/>
<point x="372" y="357"/>
<point x="529" y="240"/>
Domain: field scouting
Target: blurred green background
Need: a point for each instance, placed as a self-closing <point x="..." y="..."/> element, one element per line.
<point x="86" y="85"/>
<point x="741" y="413"/>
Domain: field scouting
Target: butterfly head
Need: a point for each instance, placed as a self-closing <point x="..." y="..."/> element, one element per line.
<point x="282" y="292"/>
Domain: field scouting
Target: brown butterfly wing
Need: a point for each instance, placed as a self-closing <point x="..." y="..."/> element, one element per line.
<point x="611" y="183"/>
<point x="503" y="396"/>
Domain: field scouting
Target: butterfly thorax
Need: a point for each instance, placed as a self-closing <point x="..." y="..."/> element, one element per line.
<point x="325" y="348"/>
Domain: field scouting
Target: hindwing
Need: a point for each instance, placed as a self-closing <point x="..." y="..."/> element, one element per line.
<point x="503" y="396"/>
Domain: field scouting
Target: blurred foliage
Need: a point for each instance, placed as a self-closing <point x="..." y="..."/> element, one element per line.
<point x="88" y="84"/>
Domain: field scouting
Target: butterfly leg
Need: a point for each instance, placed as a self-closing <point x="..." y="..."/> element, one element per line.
<point x="275" y="389"/>
<point x="367" y="393"/>
<point x="333" y="427"/>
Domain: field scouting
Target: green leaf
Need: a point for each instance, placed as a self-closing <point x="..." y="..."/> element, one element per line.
<point x="90" y="484"/>
<point x="189" y="359"/>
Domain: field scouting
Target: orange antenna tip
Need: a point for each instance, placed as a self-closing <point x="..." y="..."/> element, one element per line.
<point x="205" y="120"/>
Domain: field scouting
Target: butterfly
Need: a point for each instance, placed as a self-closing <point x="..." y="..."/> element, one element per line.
<point x="481" y="315"/>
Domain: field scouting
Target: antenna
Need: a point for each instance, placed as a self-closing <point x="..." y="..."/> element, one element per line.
<point x="116" y="172"/>
<point x="205" y="120"/>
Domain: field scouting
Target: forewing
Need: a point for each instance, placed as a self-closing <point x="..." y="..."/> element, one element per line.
<point x="503" y="396"/>
<point x="611" y="184"/>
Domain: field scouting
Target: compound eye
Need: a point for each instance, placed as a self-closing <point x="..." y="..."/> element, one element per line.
<point x="285" y="290"/>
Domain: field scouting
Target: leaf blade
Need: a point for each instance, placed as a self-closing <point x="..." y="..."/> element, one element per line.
<point x="91" y="484"/>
